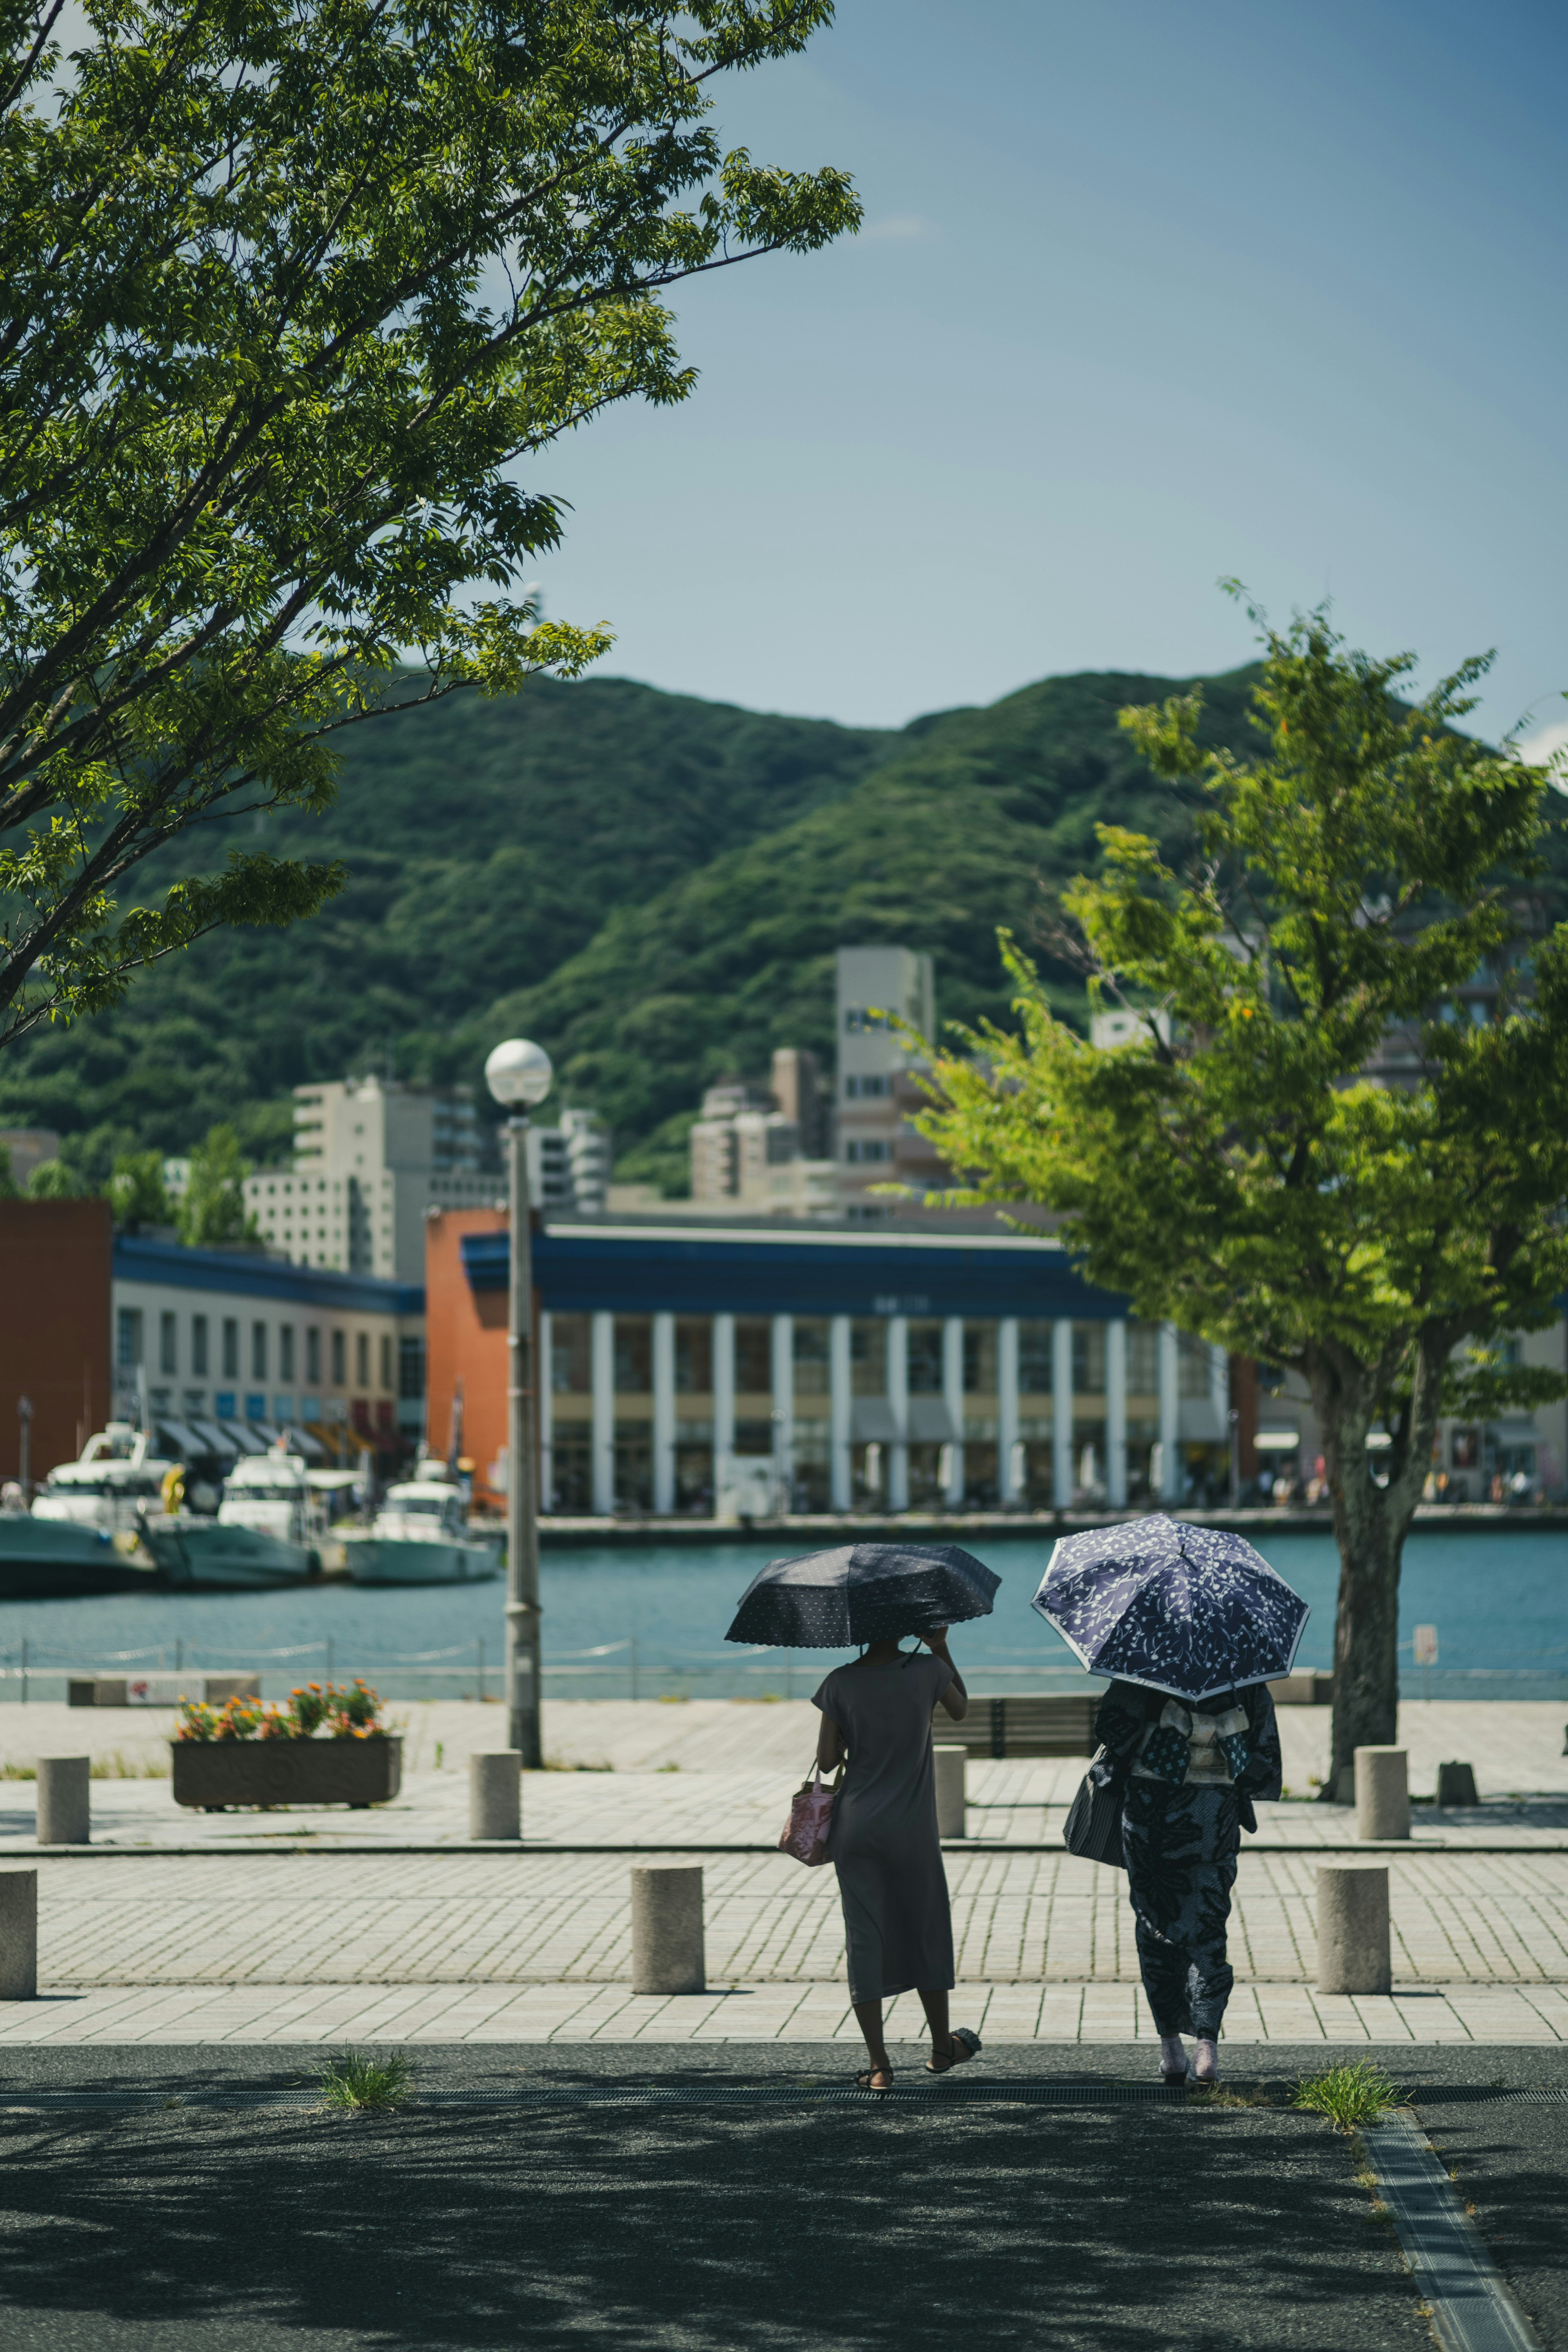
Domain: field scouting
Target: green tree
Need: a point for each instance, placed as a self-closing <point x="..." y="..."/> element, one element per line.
<point x="1310" y="1154"/>
<point x="53" y="1180"/>
<point x="211" y="1208"/>
<point x="136" y="1191"/>
<point x="9" y="1188"/>
<point x="294" y="298"/>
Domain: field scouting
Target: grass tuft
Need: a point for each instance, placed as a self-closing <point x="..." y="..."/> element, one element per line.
<point x="365" y="2086"/>
<point x="1349" y="2095"/>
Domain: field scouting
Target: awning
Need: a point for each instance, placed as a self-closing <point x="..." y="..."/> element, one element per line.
<point x="242" y="1437"/>
<point x="871" y="1421"/>
<point x="182" y="1437"/>
<point x="212" y="1440"/>
<point x="300" y="1441"/>
<point x="931" y="1424"/>
<point x="1277" y="1441"/>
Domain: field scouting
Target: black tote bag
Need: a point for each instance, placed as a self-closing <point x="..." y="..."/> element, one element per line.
<point x="1093" y="1826"/>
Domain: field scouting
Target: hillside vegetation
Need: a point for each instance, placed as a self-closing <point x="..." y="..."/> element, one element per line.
<point x="652" y="886"/>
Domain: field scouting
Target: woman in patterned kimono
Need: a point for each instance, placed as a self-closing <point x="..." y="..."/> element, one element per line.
<point x="1190" y="1774"/>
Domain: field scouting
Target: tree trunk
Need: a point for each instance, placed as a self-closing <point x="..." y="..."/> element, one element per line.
<point x="1370" y="1523"/>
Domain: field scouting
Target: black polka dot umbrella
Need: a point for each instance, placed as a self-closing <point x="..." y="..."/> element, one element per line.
<point x="862" y="1592"/>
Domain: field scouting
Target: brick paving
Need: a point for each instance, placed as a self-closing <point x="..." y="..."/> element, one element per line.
<point x="285" y="1939"/>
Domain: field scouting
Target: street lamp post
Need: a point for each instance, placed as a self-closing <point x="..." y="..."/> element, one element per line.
<point x="519" y="1074"/>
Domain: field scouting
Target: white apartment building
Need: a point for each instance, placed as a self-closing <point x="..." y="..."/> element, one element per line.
<point x="370" y="1155"/>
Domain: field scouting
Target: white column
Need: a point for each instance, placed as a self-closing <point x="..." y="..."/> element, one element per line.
<point x="1169" y="1415"/>
<point x="1008" y="1472"/>
<point x="1061" y="1413"/>
<point x="898" y="1487"/>
<point x="723" y="1403"/>
<point x="841" y="1407"/>
<point x="952" y="1397"/>
<point x="1116" y="1414"/>
<point x="604" y="1369"/>
<point x="784" y="1408"/>
<point x="663" y="1414"/>
<point x="545" y="1413"/>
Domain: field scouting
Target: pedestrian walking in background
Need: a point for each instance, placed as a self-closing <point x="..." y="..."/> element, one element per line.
<point x="898" y="1922"/>
<point x="1190" y="1776"/>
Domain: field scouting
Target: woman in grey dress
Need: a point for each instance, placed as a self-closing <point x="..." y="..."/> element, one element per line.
<point x="884" y="1844"/>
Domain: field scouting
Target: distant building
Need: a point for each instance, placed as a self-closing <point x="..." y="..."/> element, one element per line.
<point x="370" y="1155"/>
<point x="28" y="1148"/>
<point x="877" y="1087"/>
<point x="753" y="1143"/>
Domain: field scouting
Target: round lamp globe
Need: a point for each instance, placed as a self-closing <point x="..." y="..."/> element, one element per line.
<point x="518" y="1073"/>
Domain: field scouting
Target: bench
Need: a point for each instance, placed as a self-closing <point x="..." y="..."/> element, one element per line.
<point x="1022" y="1724"/>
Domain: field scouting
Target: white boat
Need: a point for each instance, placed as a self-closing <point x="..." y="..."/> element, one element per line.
<point x="419" y="1536"/>
<point x="67" y="1544"/>
<point x="267" y="1532"/>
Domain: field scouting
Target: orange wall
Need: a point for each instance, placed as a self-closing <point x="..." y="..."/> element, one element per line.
<point x="465" y="1340"/>
<point x="56" y="1271"/>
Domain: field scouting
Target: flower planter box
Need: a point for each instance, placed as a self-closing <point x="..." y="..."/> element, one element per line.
<point x="209" y="1774"/>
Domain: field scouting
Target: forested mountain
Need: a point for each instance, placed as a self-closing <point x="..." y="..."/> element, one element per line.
<point x="651" y="885"/>
<point x="486" y="843"/>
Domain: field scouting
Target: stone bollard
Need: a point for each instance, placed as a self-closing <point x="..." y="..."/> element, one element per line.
<point x="667" y="1930"/>
<point x="1352" y="1929"/>
<point x="18" y="1934"/>
<point x="1456" y="1785"/>
<point x="65" y="1800"/>
<point x="1382" y="1793"/>
<point x="949" y="1791"/>
<point x="495" y="1794"/>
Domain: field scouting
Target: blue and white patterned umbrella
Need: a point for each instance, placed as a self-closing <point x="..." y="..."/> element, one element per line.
<point x="1191" y="1610"/>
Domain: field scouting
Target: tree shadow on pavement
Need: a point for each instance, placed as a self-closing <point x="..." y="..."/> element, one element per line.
<point x="784" y="2231"/>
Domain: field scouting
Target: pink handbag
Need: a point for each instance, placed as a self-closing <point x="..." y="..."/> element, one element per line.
<point x="810" y="1819"/>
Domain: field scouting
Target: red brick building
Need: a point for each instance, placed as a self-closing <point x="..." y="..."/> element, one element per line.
<point x="56" y="1278"/>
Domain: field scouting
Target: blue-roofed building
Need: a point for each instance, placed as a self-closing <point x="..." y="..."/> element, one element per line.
<point x="775" y="1366"/>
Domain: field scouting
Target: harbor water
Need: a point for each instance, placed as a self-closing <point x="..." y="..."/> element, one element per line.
<point x="649" y="1623"/>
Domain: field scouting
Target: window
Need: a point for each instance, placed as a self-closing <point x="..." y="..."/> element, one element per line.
<point x="199" y="1347"/>
<point x="386" y="1363"/>
<point x="340" y="1360"/>
<point x="925" y="1359"/>
<point x="312" y="1352"/>
<point x="754" y="1356"/>
<point x="1193" y="1365"/>
<point x="1035" y="1358"/>
<point x="571" y="1358"/>
<point x="864" y="1089"/>
<point x="863" y="1151"/>
<point x="693" y="1355"/>
<point x="286" y="1352"/>
<point x="867" y="1358"/>
<point x="633" y="1355"/>
<point x="230" y="1348"/>
<point x="980" y="1360"/>
<point x="128" y="1341"/>
<point x="411" y="1365"/>
<point x="1142" y="1359"/>
<point x="1089" y="1359"/>
<point x="362" y="1360"/>
<point x="168" y="1344"/>
<point x="811" y="1355"/>
<point x="857" y="1020"/>
<point x="259" y="1351"/>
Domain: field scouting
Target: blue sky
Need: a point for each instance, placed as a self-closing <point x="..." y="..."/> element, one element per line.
<point x="1148" y="294"/>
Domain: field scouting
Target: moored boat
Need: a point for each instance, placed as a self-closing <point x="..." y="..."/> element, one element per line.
<point x="78" y="1537"/>
<point x="265" y="1533"/>
<point x="419" y="1536"/>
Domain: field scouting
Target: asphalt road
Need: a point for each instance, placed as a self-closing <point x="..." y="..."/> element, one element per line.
<point x="763" y="2229"/>
<point x="1509" y="2160"/>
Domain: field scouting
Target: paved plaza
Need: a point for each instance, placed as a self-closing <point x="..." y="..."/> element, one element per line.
<point x="328" y="1925"/>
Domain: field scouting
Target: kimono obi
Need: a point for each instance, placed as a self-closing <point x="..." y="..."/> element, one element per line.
<point x="1204" y="1752"/>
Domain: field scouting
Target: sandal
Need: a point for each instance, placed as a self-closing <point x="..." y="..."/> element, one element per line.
<point x="961" y="2046"/>
<point x="864" y="2082"/>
